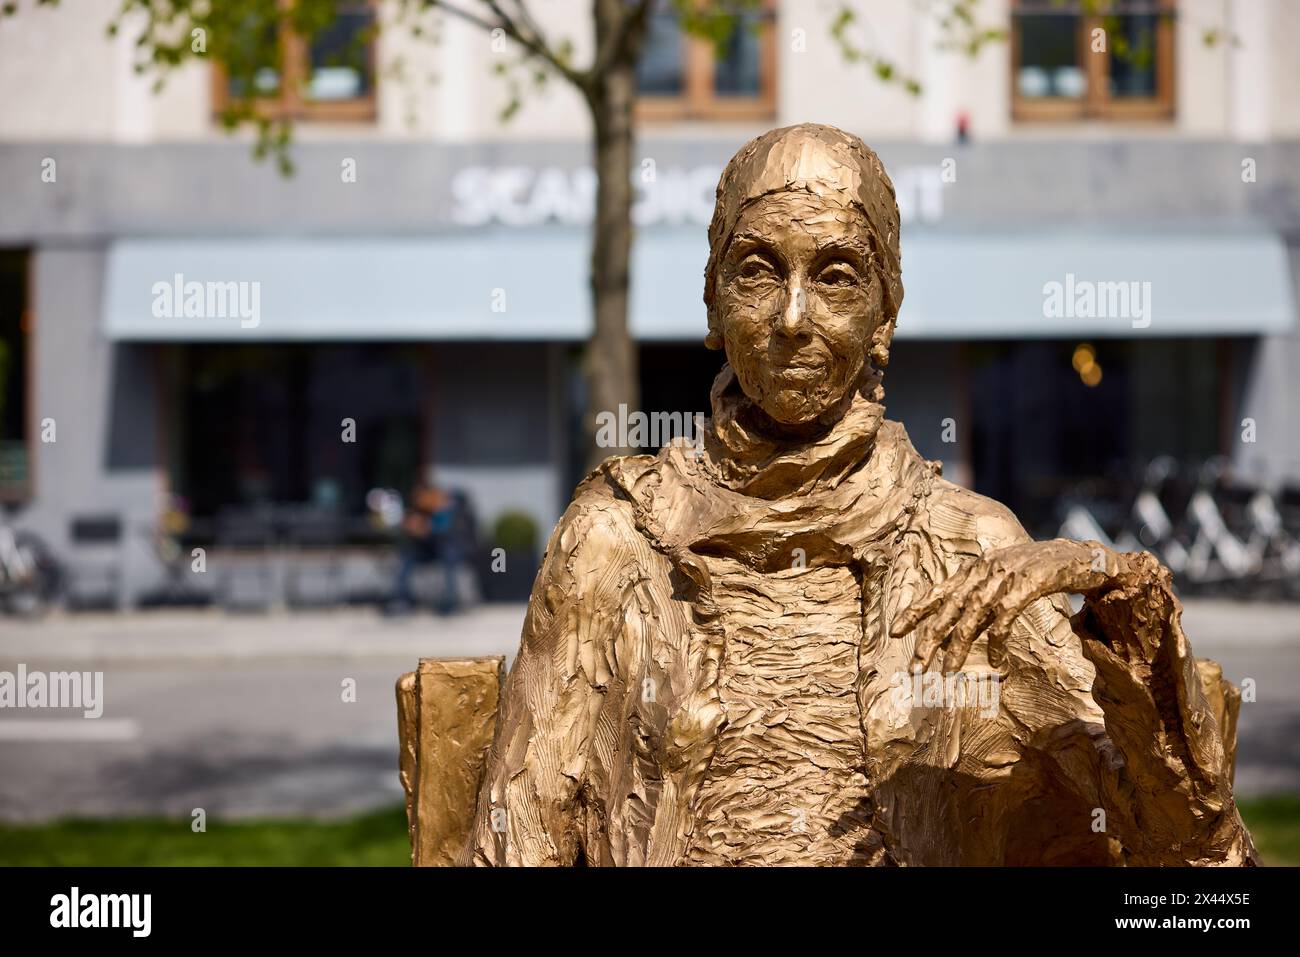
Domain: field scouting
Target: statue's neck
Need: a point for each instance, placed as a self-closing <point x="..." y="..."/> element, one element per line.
<point x="753" y="453"/>
<point x="758" y="421"/>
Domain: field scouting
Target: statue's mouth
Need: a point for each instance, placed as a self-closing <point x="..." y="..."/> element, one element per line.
<point x="806" y="371"/>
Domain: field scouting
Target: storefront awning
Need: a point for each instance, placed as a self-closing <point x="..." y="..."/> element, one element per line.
<point x="532" y="285"/>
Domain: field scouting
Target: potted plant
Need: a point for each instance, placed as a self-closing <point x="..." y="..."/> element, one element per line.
<point x="512" y="558"/>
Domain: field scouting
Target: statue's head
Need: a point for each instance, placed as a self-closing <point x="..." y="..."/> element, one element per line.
<point x="804" y="280"/>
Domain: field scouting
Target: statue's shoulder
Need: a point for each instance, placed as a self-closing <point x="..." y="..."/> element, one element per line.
<point x="969" y="522"/>
<point x="599" y="518"/>
<point x="961" y="521"/>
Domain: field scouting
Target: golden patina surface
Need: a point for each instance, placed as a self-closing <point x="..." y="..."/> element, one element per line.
<point x="797" y="643"/>
<point x="446" y="716"/>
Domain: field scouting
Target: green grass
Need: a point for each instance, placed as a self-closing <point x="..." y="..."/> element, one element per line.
<point x="378" y="838"/>
<point x="374" y="839"/>
<point x="1274" y="823"/>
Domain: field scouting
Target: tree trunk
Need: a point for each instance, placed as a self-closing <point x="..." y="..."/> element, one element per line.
<point x="610" y="363"/>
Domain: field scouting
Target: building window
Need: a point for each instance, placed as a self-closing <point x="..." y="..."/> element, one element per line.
<point x="330" y="78"/>
<point x="15" y="346"/>
<point x="685" y="77"/>
<point x="1092" y="60"/>
<point x="256" y="425"/>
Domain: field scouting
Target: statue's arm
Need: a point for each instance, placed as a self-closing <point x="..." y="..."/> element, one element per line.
<point x="1137" y="740"/>
<point x="1159" y="773"/>
<point x="529" y="810"/>
<point x="1174" y="794"/>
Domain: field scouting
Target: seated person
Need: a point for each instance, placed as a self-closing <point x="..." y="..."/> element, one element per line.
<point x="426" y="527"/>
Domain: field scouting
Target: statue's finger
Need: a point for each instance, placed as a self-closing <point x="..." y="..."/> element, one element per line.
<point x="913" y="613"/>
<point x="927" y="604"/>
<point x="939" y="625"/>
<point x="968" y="609"/>
<point x="981" y="604"/>
<point x="955" y="656"/>
<point x="976" y="613"/>
<point x="927" y="645"/>
<point x="997" y="634"/>
<point x="1013" y="603"/>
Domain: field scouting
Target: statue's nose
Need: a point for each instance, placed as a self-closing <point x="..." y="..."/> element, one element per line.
<point x="791" y="322"/>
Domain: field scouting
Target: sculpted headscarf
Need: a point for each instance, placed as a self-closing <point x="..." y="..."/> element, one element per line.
<point x="829" y="163"/>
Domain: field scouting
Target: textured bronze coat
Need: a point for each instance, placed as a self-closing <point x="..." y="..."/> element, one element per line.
<point x="1102" y="747"/>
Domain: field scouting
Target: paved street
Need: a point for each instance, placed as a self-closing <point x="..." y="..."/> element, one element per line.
<point x="244" y="716"/>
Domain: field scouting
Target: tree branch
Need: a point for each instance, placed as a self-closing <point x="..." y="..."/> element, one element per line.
<point x="522" y="29"/>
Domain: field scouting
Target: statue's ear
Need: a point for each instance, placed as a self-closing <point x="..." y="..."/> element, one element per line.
<point x="878" y="353"/>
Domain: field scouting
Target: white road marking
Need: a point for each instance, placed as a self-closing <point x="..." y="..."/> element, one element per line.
<point x="70" y="729"/>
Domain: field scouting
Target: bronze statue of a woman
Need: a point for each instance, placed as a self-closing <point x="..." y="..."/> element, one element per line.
<point x="798" y="644"/>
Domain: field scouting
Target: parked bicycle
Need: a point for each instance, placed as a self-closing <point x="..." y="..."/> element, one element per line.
<point x="1218" y="533"/>
<point x="30" y="576"/>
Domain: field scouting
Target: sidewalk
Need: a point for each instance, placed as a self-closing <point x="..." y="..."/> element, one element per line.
<point x="214" y="635"/>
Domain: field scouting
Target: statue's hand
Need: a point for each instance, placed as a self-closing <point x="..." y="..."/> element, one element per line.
<point x="1146" y="684"/>
<point x="987" y="595"/>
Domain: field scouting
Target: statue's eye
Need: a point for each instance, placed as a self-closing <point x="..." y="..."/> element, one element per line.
<point x="838" y="274"/>
<point x="755" y="267"/>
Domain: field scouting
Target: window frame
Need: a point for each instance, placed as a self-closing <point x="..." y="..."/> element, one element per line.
<point x="17" y="494"/>
<point x="1097" y="104"/>
<point x="698" y="99"/>
<point x="295" y="70"/>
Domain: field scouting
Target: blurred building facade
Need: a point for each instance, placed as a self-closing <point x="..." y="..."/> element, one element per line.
<point x="422" y="275"/>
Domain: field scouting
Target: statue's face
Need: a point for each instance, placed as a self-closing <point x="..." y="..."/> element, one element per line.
<point x="798" y="303"/>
